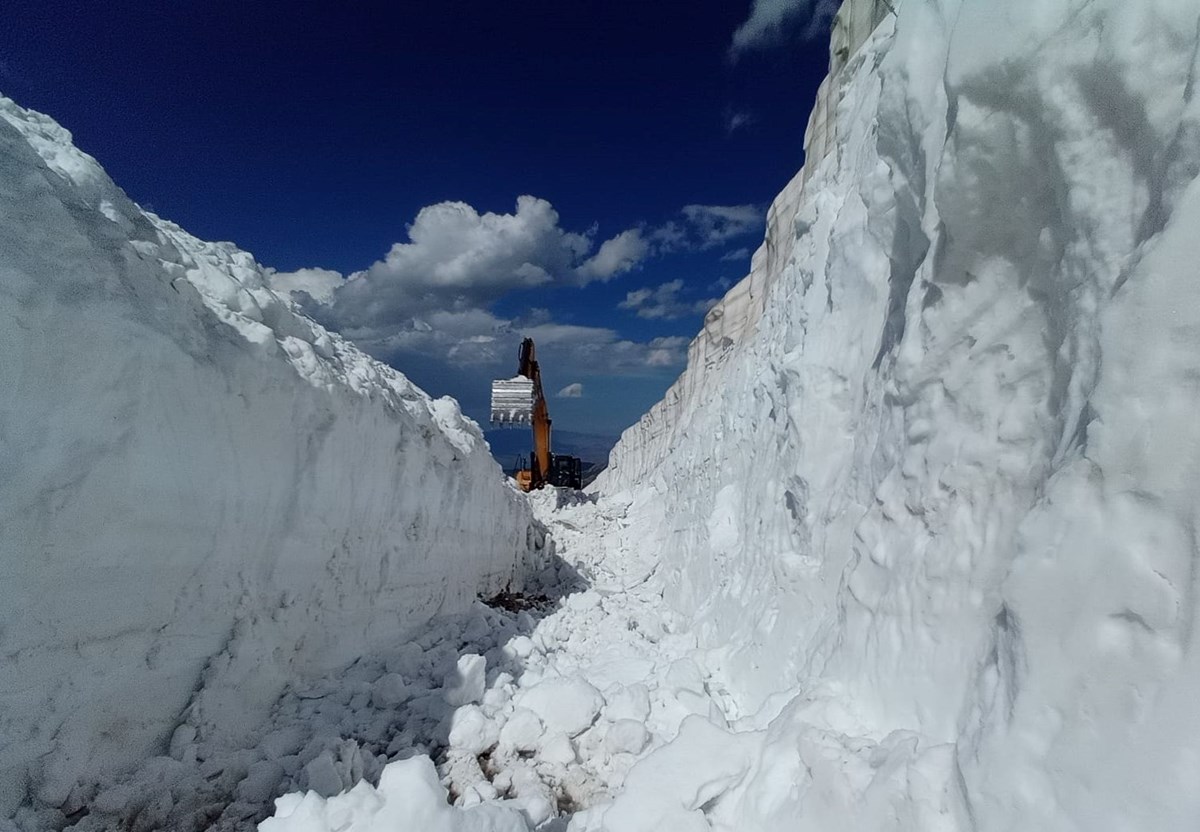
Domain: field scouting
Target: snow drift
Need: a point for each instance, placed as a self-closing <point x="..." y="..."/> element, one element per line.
<point x="930" y="498"/>
<point x="202" y="493"/>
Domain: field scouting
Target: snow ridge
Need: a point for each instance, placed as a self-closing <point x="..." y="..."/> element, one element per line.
<point x="203" y="493"/>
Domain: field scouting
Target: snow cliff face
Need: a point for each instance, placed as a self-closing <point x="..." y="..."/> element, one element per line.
<point x="202" y="493"/>
<point x="938" y="494"/>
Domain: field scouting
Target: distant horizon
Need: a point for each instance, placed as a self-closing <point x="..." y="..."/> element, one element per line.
<point x="506" y="444"/>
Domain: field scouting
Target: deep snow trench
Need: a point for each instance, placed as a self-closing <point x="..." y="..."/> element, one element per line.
<point x="911" y="546"/>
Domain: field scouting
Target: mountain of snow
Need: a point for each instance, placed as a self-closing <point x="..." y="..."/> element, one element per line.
<point x="927" y="489"/>
<point x="204" y="496"/>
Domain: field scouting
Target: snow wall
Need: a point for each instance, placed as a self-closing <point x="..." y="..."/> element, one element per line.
<point x="202" y="493"/>
<point x="929" y="485"/>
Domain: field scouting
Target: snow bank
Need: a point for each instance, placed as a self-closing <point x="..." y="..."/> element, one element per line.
<point x="933" y="509"/>
<point x="202" y="493"/>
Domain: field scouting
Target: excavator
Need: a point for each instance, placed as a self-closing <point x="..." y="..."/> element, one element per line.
<point x="519" y="401"/>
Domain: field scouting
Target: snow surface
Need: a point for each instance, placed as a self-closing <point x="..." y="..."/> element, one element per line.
<point x="934" y="517"/>
<point x="911" y="546"/>
<point x="204" y="497"/>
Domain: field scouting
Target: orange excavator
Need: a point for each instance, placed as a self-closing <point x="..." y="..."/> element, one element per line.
<point x="519" y="401"/>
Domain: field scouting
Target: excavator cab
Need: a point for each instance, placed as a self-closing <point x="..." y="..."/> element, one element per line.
<point x="519" y="401"/>
<point x="566" y="471"/>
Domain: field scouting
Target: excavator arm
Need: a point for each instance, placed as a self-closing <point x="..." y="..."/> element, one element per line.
<point x="539" y="464"/>
<point x="521" y="401"/>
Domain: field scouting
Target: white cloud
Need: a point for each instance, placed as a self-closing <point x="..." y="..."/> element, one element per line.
<point x="462" y="359"/>
<point x="476" y="344"/>
<point x="706" y="226"/>
<point x="666" y="352"/>
<point x="737" y="254"/>
<point x="428" y="309"/>
<point x="616" y="256"/>
<point x="459" y="259"/>
<point x="670" y="236"/>
<point x="571" y="391"/>
<point x="717" y="224"/>
<point x="770" y="19"/>
<point x="664" y="302"/>
<point x="319" y="284"/>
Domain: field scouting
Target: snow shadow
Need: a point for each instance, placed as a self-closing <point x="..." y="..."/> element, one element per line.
<point x="412" y="700"/>
<point x="425" y="696"/>
<point x="328" y="734"/>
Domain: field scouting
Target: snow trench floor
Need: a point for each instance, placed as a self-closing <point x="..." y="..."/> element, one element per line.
<point x="526" y="711"/>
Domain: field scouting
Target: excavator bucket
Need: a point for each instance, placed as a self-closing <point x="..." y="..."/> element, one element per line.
<point x="512" y="402"/>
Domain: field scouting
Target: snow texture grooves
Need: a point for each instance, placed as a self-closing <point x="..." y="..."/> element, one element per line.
<point x="203" y="495"/>
<point x="937" y="495"/>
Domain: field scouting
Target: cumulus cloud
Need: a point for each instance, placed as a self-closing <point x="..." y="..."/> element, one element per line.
<point x="457" y="258"/>
<point x="571" y="391"/>
<point x="616" y="256"/>
<point x="318" y="284"/>
<point x="472" y="346"/>
<point x="770" y="21"/>
<point x="706" y="226"/>
<point x="715" y="225"/>
<point x="670" y="236"/>
<point x="429" y="307"/>
<point x="667" y="352"/>
<point x="664" y="302"/>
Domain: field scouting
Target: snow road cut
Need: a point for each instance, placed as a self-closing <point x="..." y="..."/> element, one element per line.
<point x="911" y="546"/>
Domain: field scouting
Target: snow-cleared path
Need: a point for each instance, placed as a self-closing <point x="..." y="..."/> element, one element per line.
<point x="533" y="709"/>
<point x="530" y="720"/>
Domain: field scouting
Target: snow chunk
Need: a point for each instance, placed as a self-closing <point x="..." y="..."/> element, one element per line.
<point x="390" y="690"/>
<point x="467" y="682"/>
<point x="523" y="731"/>
<point x="568" y="706"/>
<point x="631" y="702"/>
<point x="558" y="750"/>
<point x="626" y="736"/>
<point x="471" y="731"/>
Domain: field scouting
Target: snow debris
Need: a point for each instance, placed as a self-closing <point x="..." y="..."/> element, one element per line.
<point x="553" y="731"/>
<point x="409" y="796"/>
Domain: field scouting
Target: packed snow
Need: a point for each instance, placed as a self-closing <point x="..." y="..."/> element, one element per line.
<point x="204" y="498"/>
<point x="934" y="513"/>
<point x="910" y="547"/>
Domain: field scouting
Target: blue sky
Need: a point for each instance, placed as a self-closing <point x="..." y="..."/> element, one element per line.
<point x="591" y="173"/>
